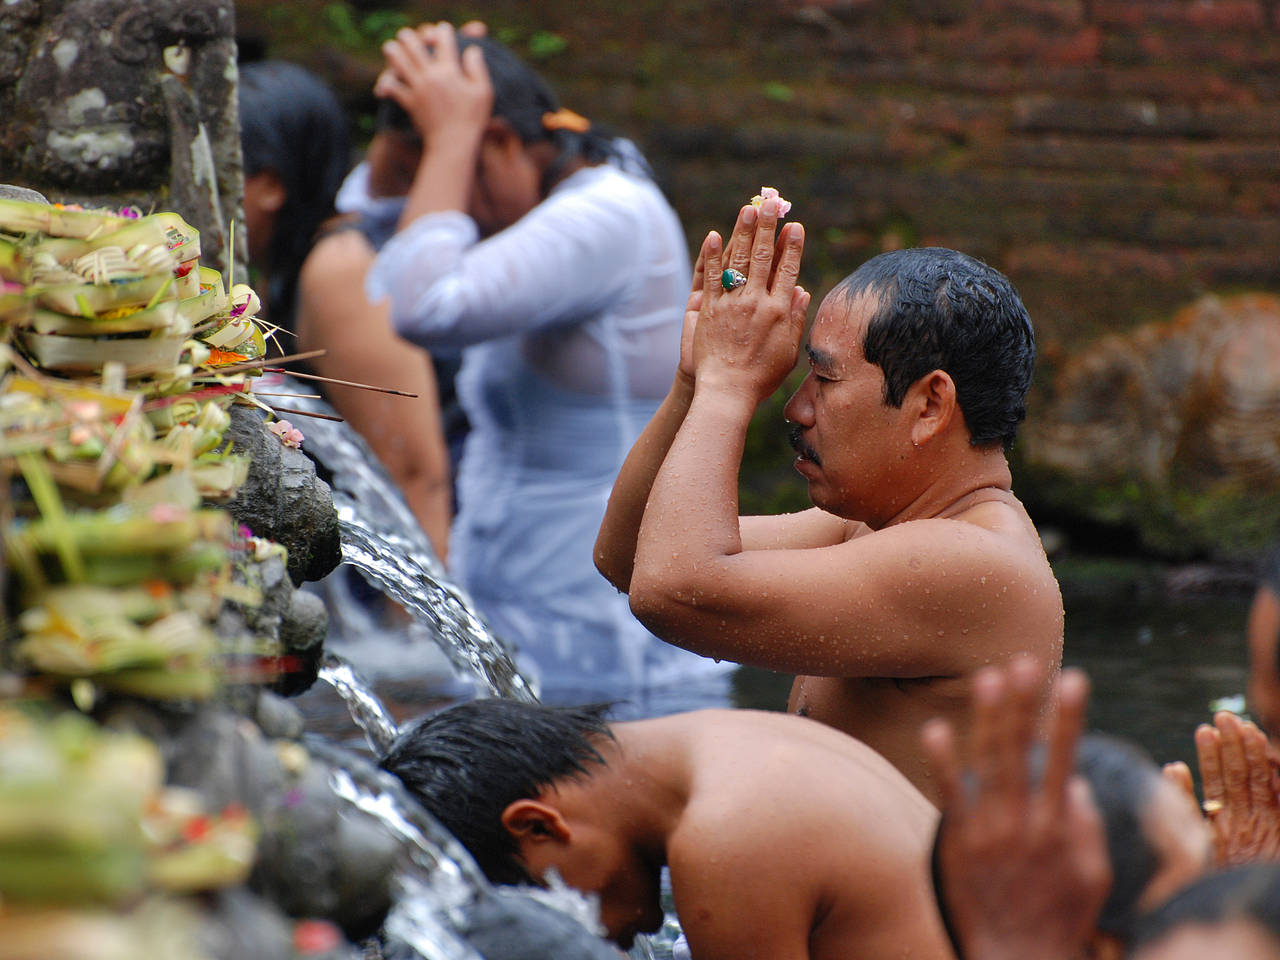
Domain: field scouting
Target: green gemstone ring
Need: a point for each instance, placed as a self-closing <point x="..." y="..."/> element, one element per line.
<point x="732" y="279"/>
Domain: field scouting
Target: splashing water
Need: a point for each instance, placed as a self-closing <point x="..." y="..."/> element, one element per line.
<point x="366" y="709"/>
<point x="440" y="882"/>
<point x="382" y="539"/>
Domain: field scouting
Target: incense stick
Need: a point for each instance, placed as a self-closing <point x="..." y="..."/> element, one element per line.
<point x="300" y="396"/>
<point x="307" y="413"/>
<point x="344" y="383"/>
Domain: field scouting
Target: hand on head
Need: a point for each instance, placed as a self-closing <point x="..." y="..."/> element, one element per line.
<point x="448" y="96"/>
<point x="748" y="337"/>
<point x="1022" y="868"/>
<point x="1239" y="797"/>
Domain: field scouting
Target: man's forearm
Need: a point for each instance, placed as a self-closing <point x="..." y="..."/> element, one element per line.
<point x="615" y="549"/>
<point x="691" y="519"/>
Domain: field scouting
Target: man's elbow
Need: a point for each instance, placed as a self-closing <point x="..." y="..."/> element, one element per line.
<point x="659" y="605"/>
<point x="608" y="566"/>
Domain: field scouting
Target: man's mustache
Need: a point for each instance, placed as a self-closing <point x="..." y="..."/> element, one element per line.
<point x="796" y="437"/>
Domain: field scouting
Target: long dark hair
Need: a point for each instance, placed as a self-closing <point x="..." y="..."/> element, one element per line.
<point x="291" y="123"/>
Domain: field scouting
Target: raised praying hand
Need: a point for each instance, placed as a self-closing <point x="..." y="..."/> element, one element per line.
<point x="1021" y="869"/>
<point x="747" y="336"/>
<point x="1239" y="799"/>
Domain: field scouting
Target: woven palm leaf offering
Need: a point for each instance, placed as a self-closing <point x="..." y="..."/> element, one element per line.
<point x="100" y="289"/>
<point x="86" y="818"/>
<point x="120" y="599"/>
<point x="115" y="385"/>
<point x="109" y="314"/>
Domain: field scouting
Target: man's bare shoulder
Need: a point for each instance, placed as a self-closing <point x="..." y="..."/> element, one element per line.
<point x="994" y="530"/>
<point x="768" y="758"/>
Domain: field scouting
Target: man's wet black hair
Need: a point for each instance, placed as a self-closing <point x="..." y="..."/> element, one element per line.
<point x="1242" y="893"/>
<point x="943" y="310"/>
<point x="467" y="763"/>
<point x="292" y="123"/>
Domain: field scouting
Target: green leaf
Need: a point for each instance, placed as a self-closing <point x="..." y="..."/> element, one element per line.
<point x="779" y="92"/>
<point x="544" y="45"/>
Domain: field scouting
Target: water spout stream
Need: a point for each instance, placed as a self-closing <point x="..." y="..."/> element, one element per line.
<point x="366" y="709"/>
<point x="440" y="882"/>
<point x="382" y="539"/>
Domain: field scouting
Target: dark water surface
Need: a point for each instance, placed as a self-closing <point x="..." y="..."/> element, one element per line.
<point x="1158" y="661"/>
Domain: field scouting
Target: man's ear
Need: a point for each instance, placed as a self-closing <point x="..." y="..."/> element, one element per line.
<point x="933" y="397"/>
<point x="534" y="821"/>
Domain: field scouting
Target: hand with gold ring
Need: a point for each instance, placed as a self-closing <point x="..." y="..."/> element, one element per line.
<point x="1239" y="802"/>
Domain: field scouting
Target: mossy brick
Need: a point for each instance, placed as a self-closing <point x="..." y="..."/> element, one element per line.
<point x="1241" y="14"/>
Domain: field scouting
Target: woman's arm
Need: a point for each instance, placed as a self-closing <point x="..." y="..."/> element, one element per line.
<point x="450" y="99"/>
<point x="571" y="257"/>
<point x="406" y="434"/>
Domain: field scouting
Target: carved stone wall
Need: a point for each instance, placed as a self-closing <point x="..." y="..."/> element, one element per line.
<point x="116" y="102"/>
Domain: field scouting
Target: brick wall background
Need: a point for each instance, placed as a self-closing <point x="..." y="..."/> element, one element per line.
<point x="1117" y="158"/>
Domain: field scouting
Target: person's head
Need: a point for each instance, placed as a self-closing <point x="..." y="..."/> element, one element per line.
<point x="294" y="140"/>
<point x="1234" y="913"/>
<point x="1156" y="838"/>
<point x="912" y="351"/>
<point x="530" y="143"/>
<point x="514" y="782"/>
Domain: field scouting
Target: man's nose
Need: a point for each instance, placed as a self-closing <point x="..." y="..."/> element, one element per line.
<point x="799" y="408"/>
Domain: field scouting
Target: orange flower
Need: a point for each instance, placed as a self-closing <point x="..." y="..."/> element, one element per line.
<point x="218" y="358"/>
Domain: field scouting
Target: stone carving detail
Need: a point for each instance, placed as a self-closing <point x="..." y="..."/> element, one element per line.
<point x="1172" y="430"/>
<point x="114" y="102"/>
<point x="1197" y="397"/>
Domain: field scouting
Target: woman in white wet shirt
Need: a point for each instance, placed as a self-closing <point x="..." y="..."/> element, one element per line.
<point x="544" y="251"/>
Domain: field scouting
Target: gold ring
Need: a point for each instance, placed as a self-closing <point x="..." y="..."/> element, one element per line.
<point x="1210" y="807"/>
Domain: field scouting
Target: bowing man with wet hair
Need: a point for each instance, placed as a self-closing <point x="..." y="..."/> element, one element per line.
<point x="544" y="251"/>
<point x="917" y="564"/>
<point x="785" y="839"/>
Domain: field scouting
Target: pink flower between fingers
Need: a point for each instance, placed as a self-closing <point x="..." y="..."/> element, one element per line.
<point x="784" y="206"/>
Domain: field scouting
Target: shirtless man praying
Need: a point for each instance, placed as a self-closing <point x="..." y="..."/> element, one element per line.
<point x="917" y="565"/>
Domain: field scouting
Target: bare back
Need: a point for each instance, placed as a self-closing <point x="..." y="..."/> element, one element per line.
<point x="797" y="841"/>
